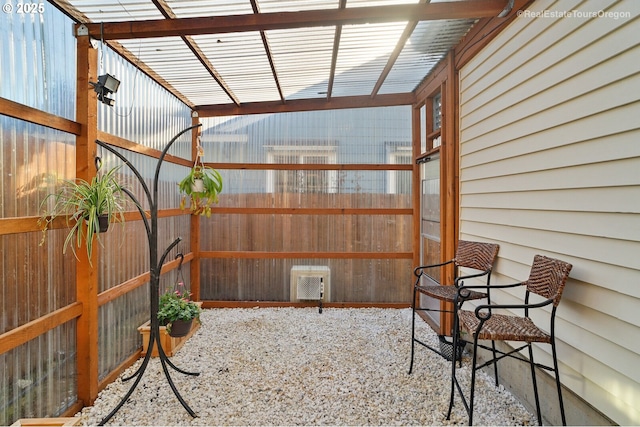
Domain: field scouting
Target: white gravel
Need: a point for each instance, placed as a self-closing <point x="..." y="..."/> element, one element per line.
<point x="294" y="366"/>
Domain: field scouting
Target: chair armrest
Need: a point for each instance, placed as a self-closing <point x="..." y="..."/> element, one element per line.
<point x="484" y="315"/>
<point x="510" y="285"/>
<point x="470" y="276"/>
<point x="464" y="291"/>
<point x="418" y="270"/>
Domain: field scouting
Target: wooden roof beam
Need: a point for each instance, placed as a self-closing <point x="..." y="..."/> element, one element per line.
<point x="465" y="9"/>
<point x="316" y="104"/>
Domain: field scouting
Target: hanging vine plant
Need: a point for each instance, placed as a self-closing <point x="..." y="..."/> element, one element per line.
<point x="202" y="186"/>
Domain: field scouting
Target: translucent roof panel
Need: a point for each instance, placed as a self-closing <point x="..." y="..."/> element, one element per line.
<point x="367" y="3"/>
<point x="121" y="10"/>
<point x="171" y="60"/>
<point x="302" y="58"/>
<point x="193" y="8"/>
<point x="364" y="51"/>
<point x="428" y="45"/>
<point x="241" y="61"/>
<point x="233" y="65"/>
<point x="267" y="6"/>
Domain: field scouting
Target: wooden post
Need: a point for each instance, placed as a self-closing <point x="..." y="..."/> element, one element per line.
<point x="86" y="274"/>
<point x="448" y="184"/>
<point x="416" y="128"/>
<point x="195" y="221"/>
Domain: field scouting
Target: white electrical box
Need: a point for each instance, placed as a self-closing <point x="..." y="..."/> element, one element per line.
<point x="310" y="282"/>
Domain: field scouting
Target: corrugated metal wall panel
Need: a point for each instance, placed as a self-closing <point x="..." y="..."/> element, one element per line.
<point x="37" y="59"/>
<point x="352" y="280"/>
<point x="39" y="377"/>
<point x="144" y="112"/>
<point x="37" y="68"/>
<point x="548" y="124"/>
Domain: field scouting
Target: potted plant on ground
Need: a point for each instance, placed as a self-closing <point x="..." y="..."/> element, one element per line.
<point x="89" y="207"/>
<point x="177" y="312"/>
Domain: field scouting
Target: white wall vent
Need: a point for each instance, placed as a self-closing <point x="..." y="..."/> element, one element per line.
<point x="310" y="282"/>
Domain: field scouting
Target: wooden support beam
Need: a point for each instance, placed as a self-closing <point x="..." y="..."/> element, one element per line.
<point x="408" y="30"/>
<point x="38" y="117"/>
<point x="449" y="183"/>
<point x="366" y="101"/>
<point x="309" y="255"/>
<point x="86" y="275"/>
<point x="195" y="219"/>
<point x="308" y="166"/>
<point x="134" y="147"/>
<point x="312" y="211"/>
<point x="25" y="333"/>
<point x="416" y="133"/>
<point x="465" y="9"/>
<point x="123" y="288"/>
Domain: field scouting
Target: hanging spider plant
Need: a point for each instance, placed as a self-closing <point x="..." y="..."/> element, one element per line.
<point x="89" y="207"/>
<point x="202" y="185"/>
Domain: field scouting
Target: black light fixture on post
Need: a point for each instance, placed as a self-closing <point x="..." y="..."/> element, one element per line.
<point x="107" y="84"/>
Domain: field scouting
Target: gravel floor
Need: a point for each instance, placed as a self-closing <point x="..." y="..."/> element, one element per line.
<point x="294" y="366"/>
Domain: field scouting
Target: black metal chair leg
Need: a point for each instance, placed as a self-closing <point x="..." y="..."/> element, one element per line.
<point x="535" y="384"/>
<point x="495" y="364"/>
<point x="456" y="338"/>
<point x="413" y="329"/>
<point x="558" y="385"/>
<point x="473" y="379"/>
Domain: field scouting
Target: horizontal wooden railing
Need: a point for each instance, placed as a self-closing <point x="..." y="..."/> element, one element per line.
<point x="25" y="333"/>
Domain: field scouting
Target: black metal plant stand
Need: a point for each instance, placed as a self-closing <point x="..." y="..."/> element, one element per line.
<point x="154" y="285"/>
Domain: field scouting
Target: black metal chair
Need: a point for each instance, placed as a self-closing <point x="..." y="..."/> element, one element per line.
<point x="472" y="255"/>
<point x="546" y="279"/>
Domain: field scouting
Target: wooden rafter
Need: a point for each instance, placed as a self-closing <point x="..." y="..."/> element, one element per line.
<point x="267" y="50"/>
<point x="465" y="9"/>
<point x="408" y="30"/>
<point x="166" y="11"/>
<point x="334" y="54"/>
<point x="135" y="61"/>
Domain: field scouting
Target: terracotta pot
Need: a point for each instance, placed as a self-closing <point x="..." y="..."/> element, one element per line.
<point x="180" y="328"/>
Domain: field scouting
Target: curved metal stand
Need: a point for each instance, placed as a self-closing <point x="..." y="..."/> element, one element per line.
<point x="154" y="284"/>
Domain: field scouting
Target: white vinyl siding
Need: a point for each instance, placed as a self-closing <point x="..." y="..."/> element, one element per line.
<point x="550" y="164"/>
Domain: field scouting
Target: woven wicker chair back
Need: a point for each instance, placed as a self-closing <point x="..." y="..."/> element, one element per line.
<point x="548" y="277"/>
<point x="476" y="255"/>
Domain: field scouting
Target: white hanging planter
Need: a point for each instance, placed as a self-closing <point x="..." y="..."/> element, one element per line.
<point x="197" y="186"/>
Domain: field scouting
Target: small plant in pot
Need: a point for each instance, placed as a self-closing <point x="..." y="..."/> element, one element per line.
<point x="177" y="312"/>
<point x="89" y="207"/>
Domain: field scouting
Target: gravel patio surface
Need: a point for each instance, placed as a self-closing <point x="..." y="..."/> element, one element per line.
<point x="295" y="366"/>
